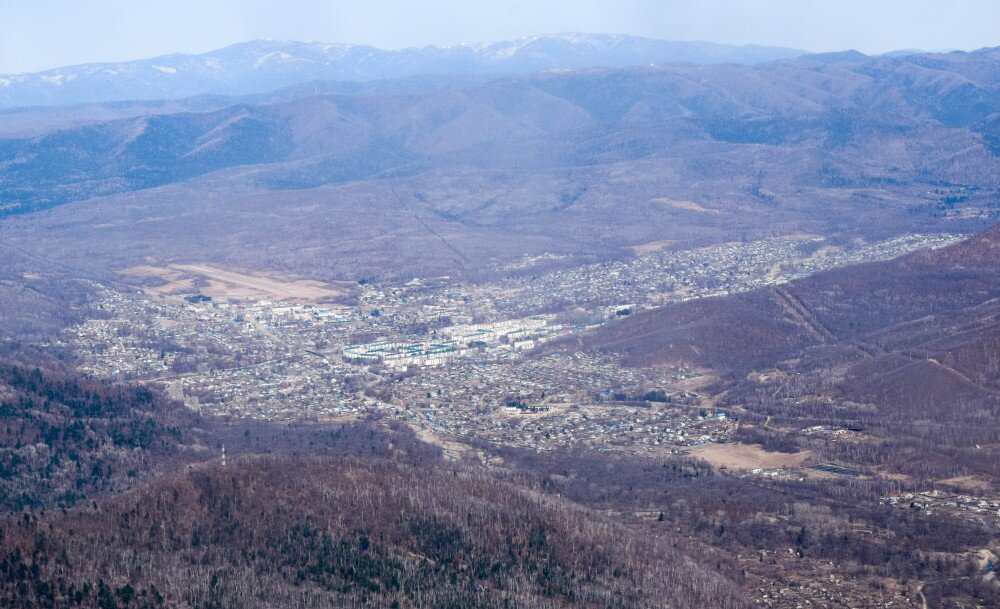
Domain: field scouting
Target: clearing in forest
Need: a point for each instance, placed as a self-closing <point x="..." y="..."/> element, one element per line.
<point x="225" y="283"/>
<point x="747" y="456"/>
<point x="685" y="205"/>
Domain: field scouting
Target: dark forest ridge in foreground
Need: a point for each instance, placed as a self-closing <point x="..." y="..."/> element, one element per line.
<point x="348" y="532"/>
<point x="885" y="371"/>
<point x="572" y="321"/>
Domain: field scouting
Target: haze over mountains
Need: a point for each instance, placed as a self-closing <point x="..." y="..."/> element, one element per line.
<point x="264" y="65"/>
<point x="570" y="321"/>
<point x="576" y="163"/>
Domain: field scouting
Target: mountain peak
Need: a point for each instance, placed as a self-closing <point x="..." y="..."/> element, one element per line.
<point x="262" y="65"/>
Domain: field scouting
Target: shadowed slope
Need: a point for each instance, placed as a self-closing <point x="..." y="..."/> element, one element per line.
<point x="273" y="532"/>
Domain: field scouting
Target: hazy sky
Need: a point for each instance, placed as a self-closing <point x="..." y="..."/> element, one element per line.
<point x="40" y="34"/>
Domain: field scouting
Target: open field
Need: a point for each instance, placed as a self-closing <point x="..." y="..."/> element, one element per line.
<point x="967" y="483"/>
<point x="223" y="283"/>
<point x="684" y="205"/>
<point x="652" y="247"/>
<point x="746" y="456"/>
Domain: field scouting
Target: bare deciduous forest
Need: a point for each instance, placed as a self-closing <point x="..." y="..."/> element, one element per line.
<point x="404" y="343"/>
<point x="281" y="531"/>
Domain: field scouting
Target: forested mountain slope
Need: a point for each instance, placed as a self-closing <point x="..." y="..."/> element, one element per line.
<point x="275" y="532"/>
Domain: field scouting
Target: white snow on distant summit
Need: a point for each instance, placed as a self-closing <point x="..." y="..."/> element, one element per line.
<point x="258" y="66"/>
<point x="276" y="57"/>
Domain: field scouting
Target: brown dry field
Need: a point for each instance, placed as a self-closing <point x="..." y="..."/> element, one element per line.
<point x="225" y="283"/>
<point x="453" y="450"/>
<point x="684" y="205"/>
<point x="651" y="247"/>
<point x="746" y="456"/>
<point x="699" y="379"/>
<point x="967" y="483"/>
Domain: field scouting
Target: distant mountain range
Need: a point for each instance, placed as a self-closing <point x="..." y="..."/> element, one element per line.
<point x="265" y="65"/>
<point x="454" y="173"/>
<point x="844" y="106"/>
